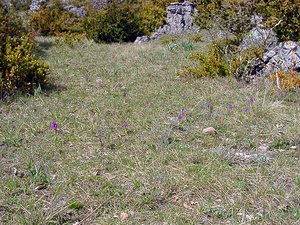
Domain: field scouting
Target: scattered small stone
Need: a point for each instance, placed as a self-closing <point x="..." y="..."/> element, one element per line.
<point x="245" y="157"/>
<point x="142" y="39"/>
<point x="40" y="187"/>
<point x="124" y="216"/>
<point x="187" y="206"/>
<point x="194" y="203"/>
<point x="18" y="173"/>
<point x="264" y="148"/>
<point x="293" y="147"/>
<point x="175" y="200"/>
<point x="249" y="217"/>
<point x="254" y="157"/>
<point x="209" y="130"/>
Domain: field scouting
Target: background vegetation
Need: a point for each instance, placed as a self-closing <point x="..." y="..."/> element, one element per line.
<point x="234" y="16"/>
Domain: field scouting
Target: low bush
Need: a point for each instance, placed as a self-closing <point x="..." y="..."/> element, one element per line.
<point x="115" y="24"/>
<point x="282" y="13"/>
<point x="227" y="15"/>
<point x="289" y="81"/>
<point x="20" y="70"/>
<point x="223" y="58"/>
<point x="54" y="20"/>
<point x="235" y="16"/>
<point x="152" y="14"/>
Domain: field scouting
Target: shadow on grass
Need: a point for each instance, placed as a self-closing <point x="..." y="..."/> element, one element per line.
<point x="47" y="90"/>
<point x="51" y="88"/>
<point x="42" y="46"/>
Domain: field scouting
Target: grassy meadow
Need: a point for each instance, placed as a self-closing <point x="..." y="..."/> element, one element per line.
<point x="120" y="155"/>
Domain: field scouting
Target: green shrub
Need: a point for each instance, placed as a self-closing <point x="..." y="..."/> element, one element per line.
<point x="196" y="37"/>
<point x="55" y="21"/>
<point x="228" y="15"/>
<point x="116" y="24"/>
<point x="20" y="70"/>
<point x="214" y="62"/>
<point x="127" y="20"/>
<point x="168" y="39"/>
<point x="10" y="26"/>
<point x="235" y="15"/>
<point x="287" y="12"/>
<point x="223" y="58"/>
<point x="152" y="14"/>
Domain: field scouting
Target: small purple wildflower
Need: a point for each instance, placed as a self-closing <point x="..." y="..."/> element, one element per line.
<point x="246" y="109"/>
<point x="124" y="123"/>
<point x="99" y="84"/>
<point x="124" y="94"/>
<point x="181" y="114"/>
<point x="86" y="77"/>
<point x="230" y="107"/>
<point x="54" y="125"/>
<point x="251" y="101"/>
<point x="120" y="85"/>
<point x="209" y="105"/>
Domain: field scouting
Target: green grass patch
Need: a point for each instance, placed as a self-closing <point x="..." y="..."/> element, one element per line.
<point x="153" y="168"/>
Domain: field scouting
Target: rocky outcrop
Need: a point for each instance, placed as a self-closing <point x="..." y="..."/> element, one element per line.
<point x="283" y="57"/>
<point x="5" y="3"/>
<point x="10" y="3"/>
<point x="79" y="11"/>
<point x="259" y="36"/>
<point x="99" y="4"/>
<point x="265" y="38"/>
<point x="142" y="39"/>
<point x="180" y="19"/>
<point x="36" y="4"/>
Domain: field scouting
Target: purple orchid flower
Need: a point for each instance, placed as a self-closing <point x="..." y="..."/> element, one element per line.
<point x="99" y="84"/>
<point x="209" y="105"/>
<point x="251" y="101"/>
<point x="181" y="114"/>
<point x="54" y="125"/>
<point x="124" y="123"/>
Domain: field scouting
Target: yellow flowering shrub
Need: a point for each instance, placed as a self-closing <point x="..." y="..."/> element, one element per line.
<point x="22" y="70"/>
<point x="56" y="21"/>
<point x="289" y="81"/>
<point x="152" y="14"/>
